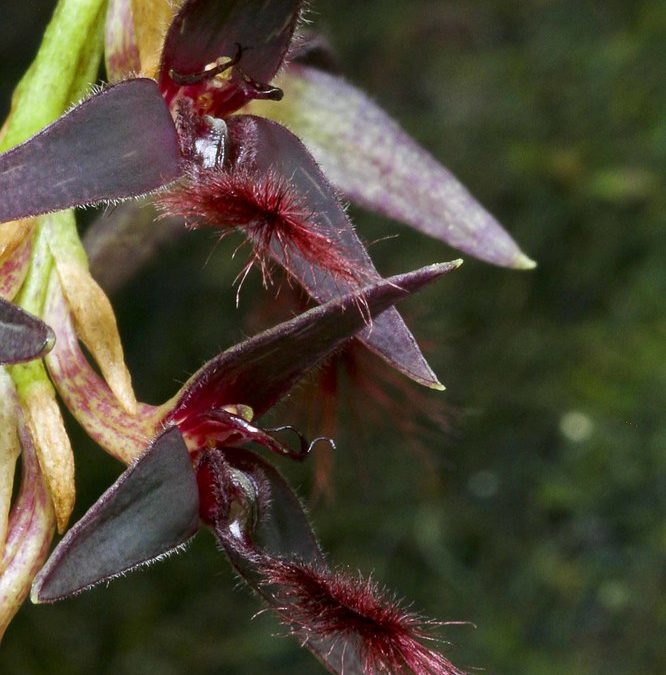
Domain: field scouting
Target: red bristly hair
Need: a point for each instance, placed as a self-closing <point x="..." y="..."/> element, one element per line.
<point x="331" y="606"/>
<point x="266" y="207"/>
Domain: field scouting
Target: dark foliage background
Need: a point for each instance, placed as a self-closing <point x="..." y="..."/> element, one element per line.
<point x="540" y="515"/>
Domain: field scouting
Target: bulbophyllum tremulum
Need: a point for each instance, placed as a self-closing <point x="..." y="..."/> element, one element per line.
<point x="183" y="135"/>
<point x="193" y="135"/>
<point x="197" y="472"/>
<point x="204" y="117"/>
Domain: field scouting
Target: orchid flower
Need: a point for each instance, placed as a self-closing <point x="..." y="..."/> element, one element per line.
<point x="140" y="136"/>
<point x="363" y="153"/>
<point x="221" y="169"/>
<point x="193" y="121"/>
<point x="197" y="472"/>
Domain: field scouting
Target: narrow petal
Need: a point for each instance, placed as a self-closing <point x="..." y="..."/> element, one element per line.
<point x="86" y="394"/>
<point x="31" y="528"/>
<point x="261" y="370"/>
<point x="119" y="143"/>
<point x="121" y="53"/>
<point x="54" y="450"/>
<point x="10" y="449"/>
<point x="205" y="30"/>
<point x="152" y="509"/>
<point x="95" y="324"/>
<point x="12" y="234"/>
<point x="263" y="147"/>
<point x="14" y="267"/>
<point x="370" y="159"/>
<point x="23" y="337"/>
<point x="231" y="426"/>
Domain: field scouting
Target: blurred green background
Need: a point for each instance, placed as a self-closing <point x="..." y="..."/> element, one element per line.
<point x="539" y="513"/>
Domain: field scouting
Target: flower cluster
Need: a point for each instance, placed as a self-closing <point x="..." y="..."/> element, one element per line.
<point x="195" y="121"/>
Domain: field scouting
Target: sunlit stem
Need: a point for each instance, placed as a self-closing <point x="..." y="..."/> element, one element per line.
<point x="66" y="63"/>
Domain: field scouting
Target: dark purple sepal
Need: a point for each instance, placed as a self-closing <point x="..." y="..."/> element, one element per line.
<point x="23" y="337"/>
<point x="278" y="527"/>
<point x="119" y="143"/>
<point x="373" y="162"/>
<point x="152" y="509"/>
<point x="260" y="371"/>
<point x="205" y="30"/>
<point x="264" y="146"/>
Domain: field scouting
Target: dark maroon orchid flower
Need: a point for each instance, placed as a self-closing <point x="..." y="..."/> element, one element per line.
<point x="197" y="472"/>
<point x="220" y="169"/>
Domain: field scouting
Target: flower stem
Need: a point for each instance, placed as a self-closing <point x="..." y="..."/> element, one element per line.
<point x="65" y="66"/>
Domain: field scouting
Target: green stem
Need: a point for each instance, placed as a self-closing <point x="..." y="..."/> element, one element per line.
<point x="65" y="66"/>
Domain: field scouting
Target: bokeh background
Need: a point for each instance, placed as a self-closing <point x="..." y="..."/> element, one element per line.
<point x="538" y="513"/>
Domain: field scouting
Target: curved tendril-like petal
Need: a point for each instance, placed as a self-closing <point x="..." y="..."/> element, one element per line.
<point x="265" y="146"/>
<point x="226" y="428"/>
<point x="205" y="30"/>
<point x="31" y="528"/>
<point x="13" y="269"/>
<point x="119" y="143"/>
<point x="23" y="337"/>
<point x="121" y="53"/>
<point x="260" y="371"/>
<point x="152" y="509"/>
<point x="371" y="160"/>
<point x="87" y="396"/>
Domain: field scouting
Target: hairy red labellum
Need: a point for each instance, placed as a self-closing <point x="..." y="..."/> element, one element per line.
<point x="322" y="605"/>
<point x="265" y="206"/>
